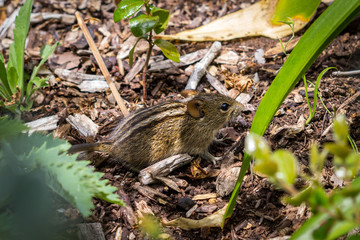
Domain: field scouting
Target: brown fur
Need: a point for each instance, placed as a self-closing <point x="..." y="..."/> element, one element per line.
<point x="171" y="128"/>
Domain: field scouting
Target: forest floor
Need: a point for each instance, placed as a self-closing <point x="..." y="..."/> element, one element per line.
<point x="260" y="212"/>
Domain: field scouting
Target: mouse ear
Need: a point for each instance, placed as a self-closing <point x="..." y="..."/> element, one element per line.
<point x="189" y="92"/>
<point x="194" y="108"/>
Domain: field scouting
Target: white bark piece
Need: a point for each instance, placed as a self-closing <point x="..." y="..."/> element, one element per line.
<point x="229" y="57"/>
<point x="8" y="22"/>
<point x="126" y="47"/>
<point x="93" y="86"/>
<point x="163" y="168"/>
<point x="184" y="61"/>
<point x="200" y="67"/>
<point x="76" y="77"/>
<point x="244" y="98"/>
<point x="217" y="84"/>
<point x="43" y="16"/>
<point x="83" y="124"/>
<point x="259" y="56"/>
<point x="43" y="124"/>
<point x="138" y="66"/>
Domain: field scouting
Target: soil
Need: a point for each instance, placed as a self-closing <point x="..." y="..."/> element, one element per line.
<point x="260" y="212"/>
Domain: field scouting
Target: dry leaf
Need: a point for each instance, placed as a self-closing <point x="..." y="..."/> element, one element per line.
<point x="213" y="220"/>
<point x="251" y="21"/>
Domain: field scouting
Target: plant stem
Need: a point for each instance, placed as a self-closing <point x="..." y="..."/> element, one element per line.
<point x="146" y="65"/>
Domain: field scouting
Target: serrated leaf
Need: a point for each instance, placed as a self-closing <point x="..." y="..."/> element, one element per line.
<point x="164" y="16"/>
<point x="126" y="8"/>
<point x="168" y="49"/>
<point x="71" y="179"/>
<point x="10" y="127"/>
<point x="142" y="24"/>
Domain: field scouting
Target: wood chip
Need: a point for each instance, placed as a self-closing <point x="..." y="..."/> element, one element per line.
<point x="204" y="196"/>
<point x="138" y="66"/>
<point x="217" y="84"/>
<point x="43" y="124"/>
<point x="43" y="16"/>
<point x="163" y="168"/>
<point x="229" y="57"/>
<point x="184" y="61"/>
<point x="93" y="86"/>
<point x="8" y="23"/>
<point x="91" y="231"/>
<point x="76" y="77"/>
<point x="244" y="98"/>
<point x="83" y="124"/>
<point x="226" y="180"/>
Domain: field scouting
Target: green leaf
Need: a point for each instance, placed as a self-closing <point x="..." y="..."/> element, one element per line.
<point x="126" y="8"/>
<point x="142" y="24"/>
<point x="287" y="166"/>
<point x="22" y="24"/>
<point x="301" y="9"/>
<point x="164" y="16"/>
<point x="316" y="90"/>
<point x="340" y="150"/>
<point x="317" y="159"/>
<point x="168" y="49"/>
<point x="12" y="73"/>
<point x="330" y="23"/>
<point x="340" y="228"/>
<point x="319" y="199"/>
<point x="4" y="79"/>
<point x="311" y="226"/>
<point x="45" y="53"/>
<point x="131" y="53"/>
<point x="301" y="197"/>
<point x="257" y="147"/>
<point x="340" y="129"/>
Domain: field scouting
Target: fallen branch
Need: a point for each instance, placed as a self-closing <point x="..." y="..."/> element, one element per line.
<point x="200" y="67"/>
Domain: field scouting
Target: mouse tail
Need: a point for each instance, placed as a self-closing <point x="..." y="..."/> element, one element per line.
<point x="88" y="147"/>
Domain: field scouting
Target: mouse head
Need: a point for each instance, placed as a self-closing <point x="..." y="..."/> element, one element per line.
<point x="213" y="109"/>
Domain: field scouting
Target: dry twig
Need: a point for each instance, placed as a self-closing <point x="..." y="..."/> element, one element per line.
<point x="101" y="63"/>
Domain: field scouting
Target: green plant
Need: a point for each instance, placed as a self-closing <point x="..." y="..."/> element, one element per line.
<point x="291" y="24"/>
<point x="331" y="22"/>
<point x="32" y="170"/>
<point x="312" y="110"/>
<point x="16" y="88"/>
<point x="336" y="212"/>
<point x="142" y="26"/>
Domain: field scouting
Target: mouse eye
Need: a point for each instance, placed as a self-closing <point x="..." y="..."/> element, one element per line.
<point x="225" y="107"/>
